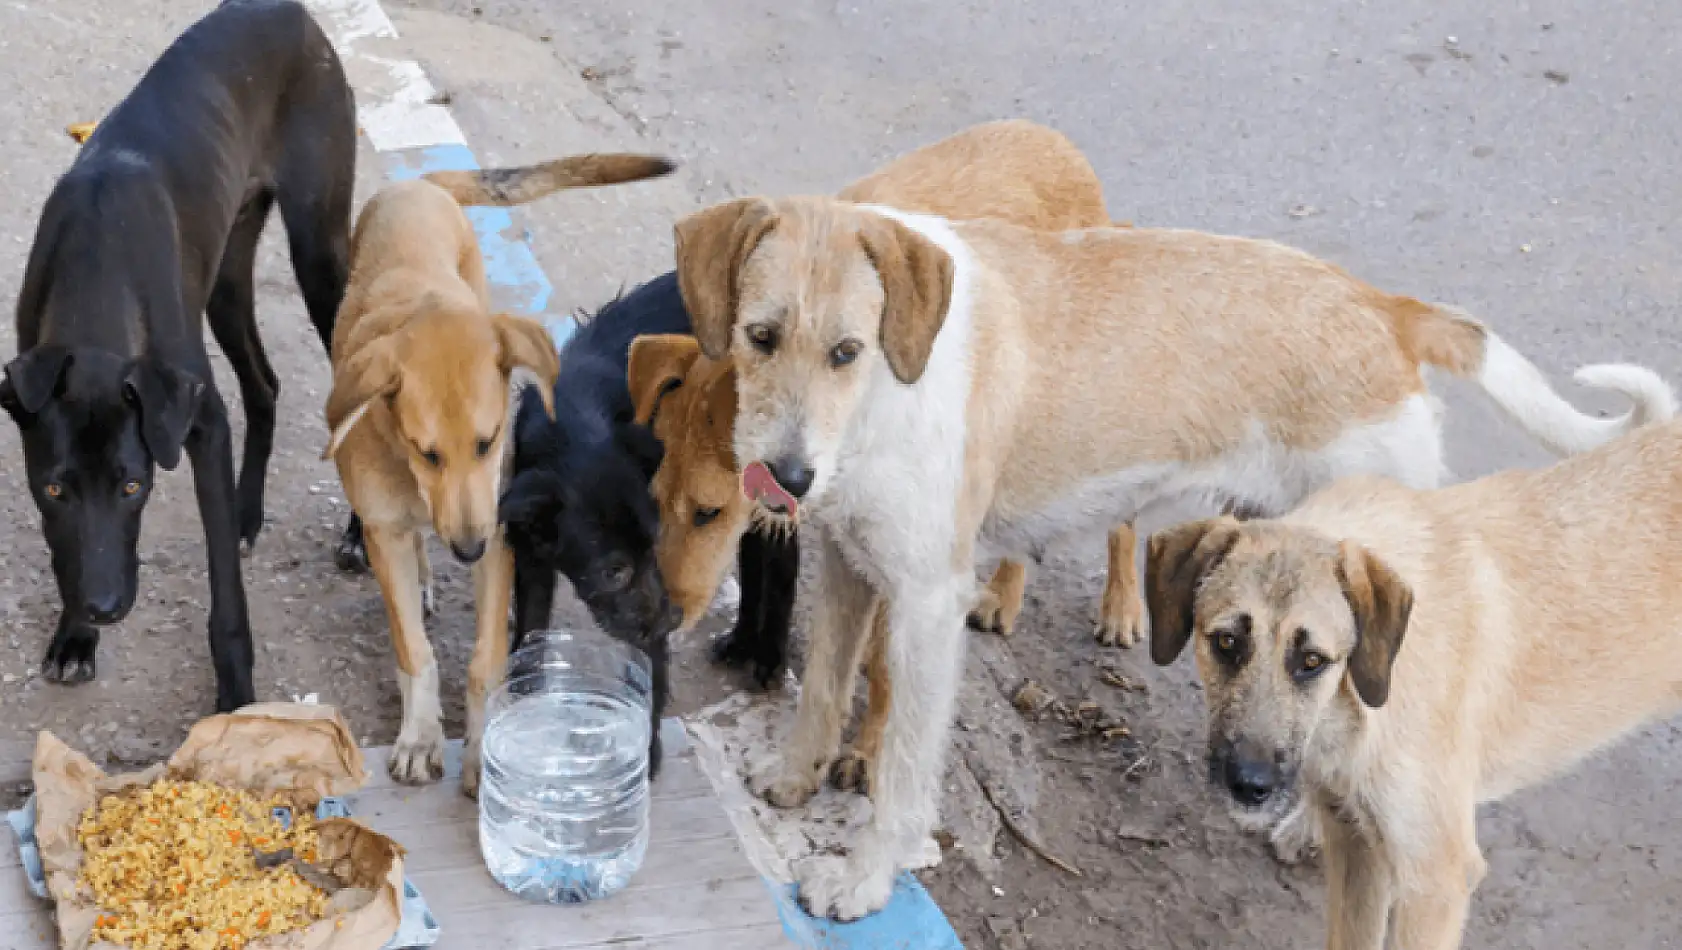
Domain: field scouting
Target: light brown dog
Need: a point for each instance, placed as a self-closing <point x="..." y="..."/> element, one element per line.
<point x="418" y="413"/>
<point x="1401" y="656"/>
<point x="929" y="388"/>
<point x="1013" y="170"/>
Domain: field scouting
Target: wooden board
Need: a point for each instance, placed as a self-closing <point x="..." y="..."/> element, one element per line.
<point x="696" y="890"/>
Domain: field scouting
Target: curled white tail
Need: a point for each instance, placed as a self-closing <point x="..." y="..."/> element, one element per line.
<point x="1523" y="393"/>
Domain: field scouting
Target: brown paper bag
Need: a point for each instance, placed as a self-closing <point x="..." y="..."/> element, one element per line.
<point x="300" y="749"/>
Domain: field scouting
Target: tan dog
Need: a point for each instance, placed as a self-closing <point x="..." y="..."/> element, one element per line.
<point x="1013" y="170"/>
<point x="927" y="388"/>
<point x="1402" y="656"/>
<point x="418" y="414"/>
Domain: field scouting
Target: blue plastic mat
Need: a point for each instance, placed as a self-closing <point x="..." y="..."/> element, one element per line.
<point x="417" y="928"/>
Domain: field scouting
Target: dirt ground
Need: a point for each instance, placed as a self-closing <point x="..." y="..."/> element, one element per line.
<point x="804" y="96"/>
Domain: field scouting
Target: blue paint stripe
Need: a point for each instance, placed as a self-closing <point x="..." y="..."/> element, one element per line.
<point x="911" y="921"/>
<point x="517" y="282"/>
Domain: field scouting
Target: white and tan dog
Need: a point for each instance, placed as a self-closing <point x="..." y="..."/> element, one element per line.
<point x="1400" y="656"/>
<point x="923" y="387"/>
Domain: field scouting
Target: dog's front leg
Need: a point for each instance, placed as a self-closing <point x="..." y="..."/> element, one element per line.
<point x="925" y="648"/>
<point x="1431" y="906"/>
<point x="70" y="655"/>
<point x="1359" y="886"/>
<point x="534" y="597"/>
<point x="493" y="583"/>
<point x="210" y="447"/>
<point x="768" y="565"/>
<point x="852" y="769"/>
<point x="839" y="624"/>
<point x="418" y="756"/>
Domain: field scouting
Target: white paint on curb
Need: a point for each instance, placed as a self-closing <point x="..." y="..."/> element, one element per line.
<point x="396" y="104"/>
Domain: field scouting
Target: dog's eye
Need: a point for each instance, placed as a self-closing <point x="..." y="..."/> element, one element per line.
<point x="1313" y="663"/>
<point x="483" y="448"/>
<point x="763" y="338"/>
<point x="132" y="487"/>
<point x="844" y="352"/>
<point x="1226" y="643"/>
<point x="54" y="490"/>
<point x="432" y="458"/>
<point x="706" y="516"/>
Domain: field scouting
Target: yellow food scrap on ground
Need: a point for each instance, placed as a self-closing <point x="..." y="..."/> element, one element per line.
<point x="80" y="131"/>
<point x="172" y="867"/>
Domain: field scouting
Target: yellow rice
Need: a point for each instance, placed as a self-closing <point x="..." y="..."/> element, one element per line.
<point x="171" y="867"/>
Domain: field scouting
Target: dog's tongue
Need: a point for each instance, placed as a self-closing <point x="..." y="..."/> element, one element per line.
<point x="761" y="486"/>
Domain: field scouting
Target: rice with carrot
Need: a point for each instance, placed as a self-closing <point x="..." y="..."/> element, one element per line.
<point x="172" y="866"/>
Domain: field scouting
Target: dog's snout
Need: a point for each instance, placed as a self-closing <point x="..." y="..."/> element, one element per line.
<point x="104" y="608"/>
<point x="1251" y="781"/>
<point x="794" y="473"/>
<point x="468" y="550"/>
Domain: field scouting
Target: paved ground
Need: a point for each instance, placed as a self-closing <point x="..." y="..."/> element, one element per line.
<point x="1516" y="161"/>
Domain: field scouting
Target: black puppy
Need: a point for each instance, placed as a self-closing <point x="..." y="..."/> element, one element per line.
<point x="579" y="503"/>
<point x="155" y="225"/>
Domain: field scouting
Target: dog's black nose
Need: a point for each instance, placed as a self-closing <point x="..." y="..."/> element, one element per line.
<point x="1251" y="782"/>
<point x="468" y="552"/>
<point x="103" y="608"/>
<point x="794" y="474"/>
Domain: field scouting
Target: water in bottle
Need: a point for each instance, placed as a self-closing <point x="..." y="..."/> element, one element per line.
<point x="563" y="799"/>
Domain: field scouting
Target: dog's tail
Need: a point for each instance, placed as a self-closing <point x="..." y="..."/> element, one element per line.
<point x="503" y="187"/>
<point x="1448" y="338"/>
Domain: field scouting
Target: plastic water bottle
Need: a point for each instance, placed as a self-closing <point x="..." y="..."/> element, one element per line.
<point x="563" y="800"/>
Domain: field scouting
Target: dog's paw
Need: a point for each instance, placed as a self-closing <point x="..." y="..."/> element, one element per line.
<point x="69" y="658"/>
<point x="851" y="773"/>
<point x="471" y="768"/>
<point x="783" y="786"/>
<point x="1120" y="628"/>
<point x="1296" y="838"/>
<point x="989" y="615"/>
<point x="845" y="889"/>
<point x="351" y="557"/>
<point x="418" y="757"/>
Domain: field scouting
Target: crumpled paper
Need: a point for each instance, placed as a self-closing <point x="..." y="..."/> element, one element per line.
<point x="298" y="749"/>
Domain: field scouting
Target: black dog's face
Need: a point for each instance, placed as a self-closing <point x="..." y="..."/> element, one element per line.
<point x="94" y="428"/>
<point x="596" y="523"/>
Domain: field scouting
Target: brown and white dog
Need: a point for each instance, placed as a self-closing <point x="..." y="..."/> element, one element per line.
<point x="1401" y="656"/>
<point x="1013" y="170"/>
<point x="418" y="417"/>
<point x="926" y="387"/>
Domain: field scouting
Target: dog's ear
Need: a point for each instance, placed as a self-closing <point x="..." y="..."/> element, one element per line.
<point x="31" y="379"/>
<point x="1176" y="561"/>
<point x="712" y="246"/>
<point x="531" y="504"/>
<point x="372" y="372"/>
<point x="638" y="442"/>
<point x="1381" y="602"/>
<point x="659" y="361"/>
<point x="526" y="344"/>
<point x="917" y="287"/>
<point x="168" y="400"/>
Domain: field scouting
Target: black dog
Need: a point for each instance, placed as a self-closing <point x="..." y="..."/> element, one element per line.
<point x="155" y="225"/>
<point x="579" y="502"/>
